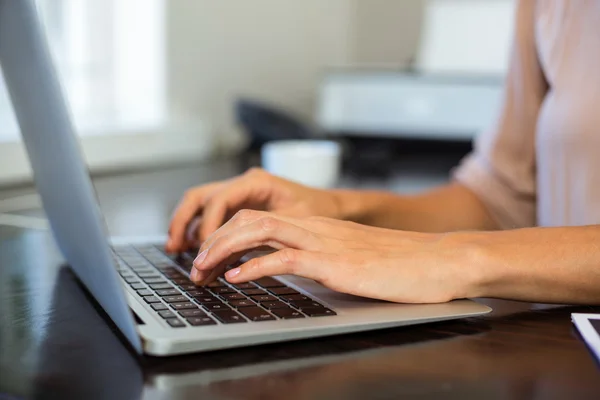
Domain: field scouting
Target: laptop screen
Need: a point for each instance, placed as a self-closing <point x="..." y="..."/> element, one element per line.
<point x="59" y="169"/>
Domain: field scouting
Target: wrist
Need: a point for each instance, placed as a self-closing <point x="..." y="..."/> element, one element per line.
<point x="474" y="263"/>
<point x="366" y="207"/>
<point x="348" y="204"/>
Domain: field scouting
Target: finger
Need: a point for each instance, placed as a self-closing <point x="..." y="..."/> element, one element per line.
<point x="240" y="219"/>
<point x="210" y="276"/>
<point x="191" y="237"/>
<point x="199" y="277"/>
<point x="270" y="230"/>
<point x="307" y="264"/>
<point x="191" y="204"/>
<point x="229" y="200"/>
<point x="243" y="218"/>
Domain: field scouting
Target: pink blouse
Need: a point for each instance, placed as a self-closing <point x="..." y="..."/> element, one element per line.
<point x="540" y="163"/>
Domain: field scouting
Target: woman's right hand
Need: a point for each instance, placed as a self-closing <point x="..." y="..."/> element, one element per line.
<point x="205" y="208"/>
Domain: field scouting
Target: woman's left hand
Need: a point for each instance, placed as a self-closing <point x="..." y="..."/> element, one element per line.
<point x="384" y="264"/>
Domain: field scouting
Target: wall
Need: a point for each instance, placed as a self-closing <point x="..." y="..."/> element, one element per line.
<point x="386" y="32"/>
<point x="274" y="50"/>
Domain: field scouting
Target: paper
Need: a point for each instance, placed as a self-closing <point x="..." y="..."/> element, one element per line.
<point x="589" y="328"/>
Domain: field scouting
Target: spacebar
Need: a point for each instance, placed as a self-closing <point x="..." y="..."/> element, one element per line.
<point x="228" y="316"/>
<point x="256" y="314"/>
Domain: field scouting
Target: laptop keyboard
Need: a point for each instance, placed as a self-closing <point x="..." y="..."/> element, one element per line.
<point x="162" y="281"/>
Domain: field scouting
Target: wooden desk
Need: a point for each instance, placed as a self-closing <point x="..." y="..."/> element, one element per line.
<point x="55" y="342"/>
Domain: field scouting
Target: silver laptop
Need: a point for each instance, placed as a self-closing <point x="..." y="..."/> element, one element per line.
<point x="146" y="292"/>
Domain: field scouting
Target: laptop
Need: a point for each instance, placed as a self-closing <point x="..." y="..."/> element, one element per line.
<point x="145" y="292"/>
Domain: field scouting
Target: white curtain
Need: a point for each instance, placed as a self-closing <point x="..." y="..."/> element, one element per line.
<point x="110" y="57"/>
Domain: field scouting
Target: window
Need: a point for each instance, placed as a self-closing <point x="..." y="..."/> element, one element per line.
<point x="109" y="55"/>
<point x="467" y="36"/>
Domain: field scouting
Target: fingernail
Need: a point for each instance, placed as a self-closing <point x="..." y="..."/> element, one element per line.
<point x="200" y="258"/>
<point x="194" y="275"/>
<point x="233" y="273"/>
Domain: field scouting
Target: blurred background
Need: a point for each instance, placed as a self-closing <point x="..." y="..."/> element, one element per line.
<point x="164" y="82"/>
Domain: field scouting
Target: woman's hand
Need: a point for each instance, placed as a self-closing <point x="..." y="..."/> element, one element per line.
<point x="205" y="208"/>
<point x="343" y="256"/>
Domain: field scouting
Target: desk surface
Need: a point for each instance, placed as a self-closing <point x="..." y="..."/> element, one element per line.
<point x="54" y="342"/>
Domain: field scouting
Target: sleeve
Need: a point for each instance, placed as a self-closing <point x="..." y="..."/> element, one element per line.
<point x="501" y="170"/>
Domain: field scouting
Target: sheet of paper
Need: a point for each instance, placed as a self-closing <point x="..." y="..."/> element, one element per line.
<point x="588" y="326"/>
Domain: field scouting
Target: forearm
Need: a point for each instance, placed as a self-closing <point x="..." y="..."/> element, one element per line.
<point x="448" y="208"/>
<point x="547" y="265"/>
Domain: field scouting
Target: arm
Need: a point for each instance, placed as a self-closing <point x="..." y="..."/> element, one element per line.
<point x="495" y="186"/>
<point x="549" y="265"/>
<point x="448" y="208"/>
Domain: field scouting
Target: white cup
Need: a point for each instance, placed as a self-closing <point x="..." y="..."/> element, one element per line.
<point x="313" y="163"/>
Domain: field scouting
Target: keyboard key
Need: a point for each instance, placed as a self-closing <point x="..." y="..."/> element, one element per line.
<point x="154" y="280"/>
<point x="222" y="290"/>
<point x="228" y="316"/>
<point x="264" y="298"/>
<point x="318" y="312"/>
<point x="253" y="292"/>
<point x="274" y="304"/>
<point x="305" y="304"/>
<point x="162" y="265"/>
<point x="176" y="299"/>
<point x="188" y="286"/>
<point x="137" y="286"/>
<point x="295" y="297"/>
<point x="186" y="264"/>
<point x="256" y="314"/>
<point x="241" y="303"/>
<point x="283" y="290"/>
<point x="287" y="313"/>
<point x="160" y="286"/>
<point x="206" y="299"/>
<point x="200" y="321"/>
<point x="198" y="292"/>
<point x="149" y="274"/>
<point x="122" y="249"/>
<point x="171" y="271"/>
<point x="246" y="285"/>
<point x="180" y="281"/>
<point x="145" y="248"/>
<point x="145" y="292"/>
<point x="136" y="262"/>
<point x="159" y="307"/>
<point x="168" y="292"/>
<point x="132" y="280"/>
<point x="269" y="282"/>
<point x="151" y="299"/>
<point x="175" y="323"/>
<point x="167" y="314"/>
<point x="192" y="313"/>
<point x="215" y="306"/>
<point x="183" y="306"/>
<point x="216" y="284"/>
<point x="233" y="296"/>
<point x="144" y="271"/>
